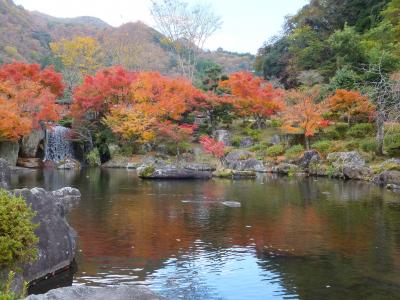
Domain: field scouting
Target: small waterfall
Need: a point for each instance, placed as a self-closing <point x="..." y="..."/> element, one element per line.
<point x="57" y="146"/>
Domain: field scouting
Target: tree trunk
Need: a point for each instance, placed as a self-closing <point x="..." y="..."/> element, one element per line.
<point x="380" y="134"/>
<point x="307" y="141"/>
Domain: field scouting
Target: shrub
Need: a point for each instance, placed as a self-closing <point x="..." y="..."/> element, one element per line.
<point x="93" y="158"/>
<point x="322" y="146"/>
<point x="255" y="134"/>
<point x="361" y="130"/>
<point x="368" y="145"/>
<point x="341" y="128"/>
<point x="392" y="143"/>
<point x="294" y="151"/>
<point x="331" y="133"/>
<point x="277" y="123"/>
<point x="351" y="145"/>
<point x="17" y="238"/>
<point x="235" y="141"/>
<point x="6" y="292"/>
<point x="275" y="150"/>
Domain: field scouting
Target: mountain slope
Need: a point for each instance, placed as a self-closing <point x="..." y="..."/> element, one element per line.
<point x="26" y="36"/>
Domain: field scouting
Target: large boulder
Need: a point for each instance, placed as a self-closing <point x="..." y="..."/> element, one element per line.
<point x="246" y="142"/>
<point x="286" y="168"/>
<point x="118" y="162"/>
<point x="224" y="136"/>
<point x="242" y="160"/>
<point x="199" y="167"/>
<point x="95" y="293"/>
<point x="9" y="152"/>
<point x="236" y="155"/>
<point x="274" y="140"/>
<point x="308" y="157"/>
<point x="151" y="171"/>
<point x="349" y="165"/>
<point x="356" y="172"/>
<point x="387" y="178"/>
<point x="340" y="159"/>
<point x="30" y="143"/>
<point x="68" y="164"/>
<point x="67" y="196"/>
<point x="234" y="174"/>
<point x="5" y="174"/>
<point x="56" y="248"/>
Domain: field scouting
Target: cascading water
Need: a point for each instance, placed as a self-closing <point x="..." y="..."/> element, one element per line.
<point x="57" y="146"/>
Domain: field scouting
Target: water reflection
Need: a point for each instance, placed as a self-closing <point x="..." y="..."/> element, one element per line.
<point x="291" y="238"/>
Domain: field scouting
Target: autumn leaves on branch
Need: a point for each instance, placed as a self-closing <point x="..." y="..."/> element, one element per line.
<point x="146" y="107"/>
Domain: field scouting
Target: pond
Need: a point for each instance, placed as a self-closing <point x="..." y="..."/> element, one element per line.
<point x="291" y="238"/>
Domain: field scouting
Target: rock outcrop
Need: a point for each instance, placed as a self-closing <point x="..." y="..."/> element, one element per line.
<point x="30" y="143"/>
<point x="308" y="157"/>
<point x="5" y="174"/>
<point x="9" y="152"/>
<point x="242" y="160"/>
<point x="56" y="247"/>
<point x="386" y="178"/>
<point x="93" y="293"/>
<point x="151" y="171"/>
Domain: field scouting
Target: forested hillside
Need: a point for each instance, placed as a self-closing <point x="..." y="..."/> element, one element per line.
<point x="26" y="36"/>
<point x="333" y="41"/>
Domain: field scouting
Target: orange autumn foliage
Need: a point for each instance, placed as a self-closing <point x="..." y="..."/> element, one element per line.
<point x="156" y="104"/>
<point x="27" y="96"/>
<point x="253" y="96"/>
<point x="97" y="94"/>
<point x="302" y="114"/>
<point x="350" y="104"/>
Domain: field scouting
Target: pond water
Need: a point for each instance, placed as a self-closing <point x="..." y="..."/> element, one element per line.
<point x="291" y="238"/>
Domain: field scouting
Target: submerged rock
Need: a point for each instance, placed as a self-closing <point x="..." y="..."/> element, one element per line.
<point x="98" y="293"/>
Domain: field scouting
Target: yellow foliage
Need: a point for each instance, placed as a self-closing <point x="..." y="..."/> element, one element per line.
<point x="82" y="53"/>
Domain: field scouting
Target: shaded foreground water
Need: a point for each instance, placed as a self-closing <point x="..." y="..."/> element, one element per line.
<point x="290" y="239"/>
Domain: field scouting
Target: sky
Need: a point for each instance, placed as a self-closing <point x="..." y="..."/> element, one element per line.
<point x="247" y="24"/>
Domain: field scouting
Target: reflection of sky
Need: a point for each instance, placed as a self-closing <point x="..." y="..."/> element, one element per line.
<point x="232" y="273"/>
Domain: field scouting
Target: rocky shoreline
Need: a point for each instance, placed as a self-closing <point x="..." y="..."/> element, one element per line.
<point x="242" y="164"/>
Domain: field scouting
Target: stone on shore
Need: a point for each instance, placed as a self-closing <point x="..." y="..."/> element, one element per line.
<point x="170" y="172"/>
<point x="242" y="160"/>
